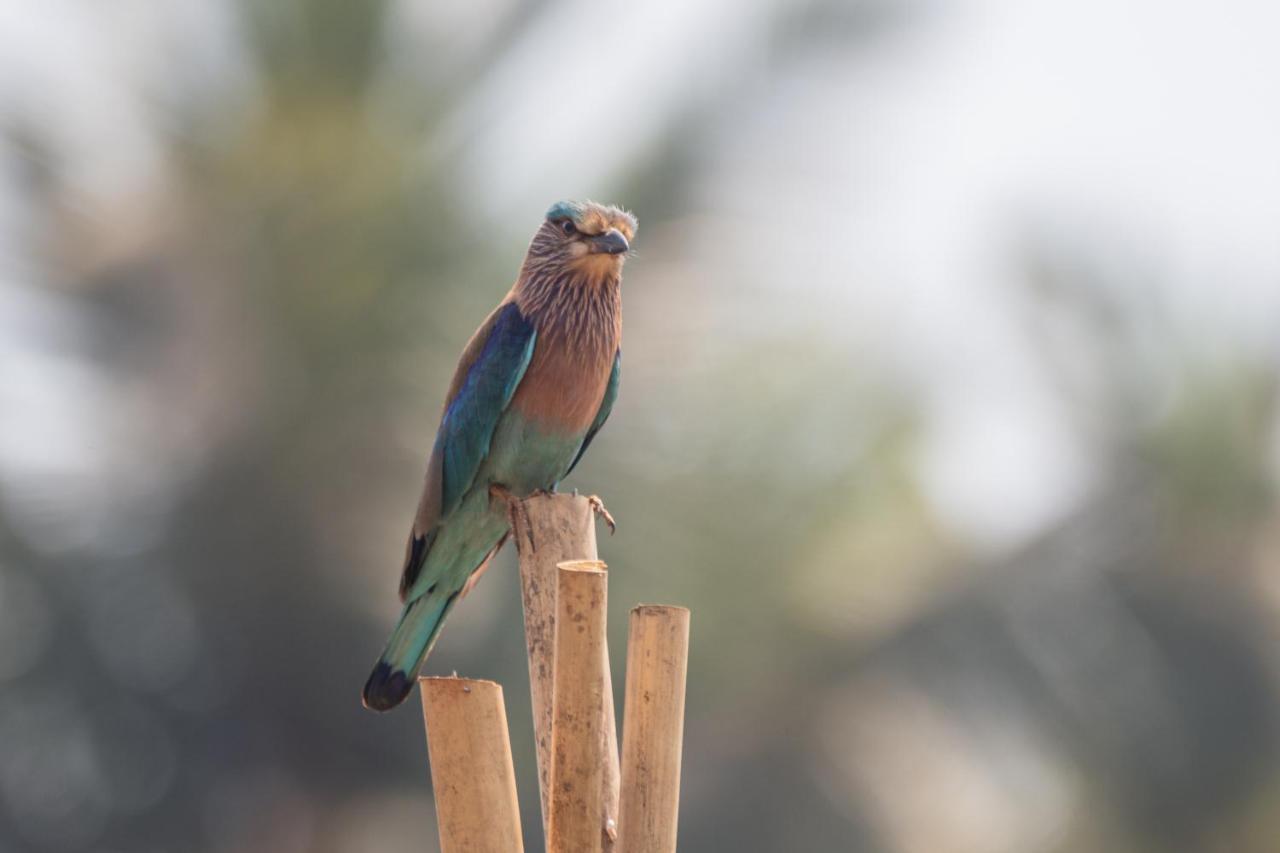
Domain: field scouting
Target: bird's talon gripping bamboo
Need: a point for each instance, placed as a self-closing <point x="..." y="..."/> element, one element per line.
<point x="597" y="505"/>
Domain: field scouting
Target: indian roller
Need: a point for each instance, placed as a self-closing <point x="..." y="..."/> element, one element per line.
<point x="533" y="387"/>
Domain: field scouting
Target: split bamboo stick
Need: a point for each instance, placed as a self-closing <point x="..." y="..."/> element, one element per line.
<point x="550" y="529"/>
<point x="471" y="769"/>
<point x="653" y="728"/>
<point x="577" y="768"/>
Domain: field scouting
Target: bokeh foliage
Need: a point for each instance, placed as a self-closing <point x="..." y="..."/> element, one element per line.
<point x="271" y="328"/>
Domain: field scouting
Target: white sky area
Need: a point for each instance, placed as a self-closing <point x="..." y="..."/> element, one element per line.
<point x="913" y="166"/>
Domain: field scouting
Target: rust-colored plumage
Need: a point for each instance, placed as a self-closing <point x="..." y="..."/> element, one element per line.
<point x="570" y="368"/>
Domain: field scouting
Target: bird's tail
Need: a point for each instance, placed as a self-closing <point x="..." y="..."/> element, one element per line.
<point x="410" y="642"/>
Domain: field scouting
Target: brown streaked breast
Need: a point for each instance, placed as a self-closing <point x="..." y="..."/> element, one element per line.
<point x="562" y="387"/>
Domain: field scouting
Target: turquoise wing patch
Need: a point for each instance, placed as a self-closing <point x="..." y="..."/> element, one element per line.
<point x="472" y="416"/>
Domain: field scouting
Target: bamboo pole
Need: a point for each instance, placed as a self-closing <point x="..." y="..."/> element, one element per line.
<point x="577" y="769"/>
<point x="653" y="728"/>
<point x="550" y="529"/>
<point x="471" y="770"/>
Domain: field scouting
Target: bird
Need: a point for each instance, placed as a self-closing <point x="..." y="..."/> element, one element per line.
<point x="532" y="389"/>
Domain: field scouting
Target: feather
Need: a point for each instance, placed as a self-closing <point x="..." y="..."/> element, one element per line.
<point x="491" y="368"/>
<point x="606" y="406"/>
<point x="472" y="415"/>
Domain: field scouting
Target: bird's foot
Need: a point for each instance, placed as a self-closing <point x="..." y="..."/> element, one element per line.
<point x="601" y="512"/>
<point x="517" y="516"/>
<point x="515" y="508"/>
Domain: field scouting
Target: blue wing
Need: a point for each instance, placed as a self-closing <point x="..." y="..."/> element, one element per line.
<point x="473" y="413"/>
<point x="606" y="406"/>
<point x="488" y="374"/>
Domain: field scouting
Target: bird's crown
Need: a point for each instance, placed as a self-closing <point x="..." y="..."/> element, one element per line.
<point x="589" y="217"/>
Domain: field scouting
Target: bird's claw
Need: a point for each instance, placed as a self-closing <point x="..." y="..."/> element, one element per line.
<point x="601" y="512"/>
<point x="515" y="507"/>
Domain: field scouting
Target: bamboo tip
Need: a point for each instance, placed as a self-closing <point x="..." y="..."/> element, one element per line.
<point x="660" y="610"/>
<point x="554" y="497"/>
<point x="454" y="683"/>
<point x="598" y="566"/>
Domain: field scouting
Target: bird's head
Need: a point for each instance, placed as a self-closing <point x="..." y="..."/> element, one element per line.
<point x="584" y="237"/>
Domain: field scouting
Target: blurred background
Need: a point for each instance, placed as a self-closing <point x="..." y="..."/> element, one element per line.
<point x="949" y="407"/>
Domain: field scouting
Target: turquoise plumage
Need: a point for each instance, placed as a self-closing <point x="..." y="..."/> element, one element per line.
<point x="534" y="386"/>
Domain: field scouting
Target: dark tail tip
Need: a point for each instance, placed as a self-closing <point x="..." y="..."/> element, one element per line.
<point x="386" y="688"/>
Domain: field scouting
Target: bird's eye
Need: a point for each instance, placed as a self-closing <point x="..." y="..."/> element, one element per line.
<point x="568" y="228"/>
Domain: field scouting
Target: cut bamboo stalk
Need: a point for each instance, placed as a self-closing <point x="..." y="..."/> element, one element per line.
<point x="550" y="529"/>
<point x="577" y="768"/>
<point x="653" y="728"/>
<point x="471" y="770"/>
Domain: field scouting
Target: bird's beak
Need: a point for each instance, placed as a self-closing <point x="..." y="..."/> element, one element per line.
<point x="610" y="242"/>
